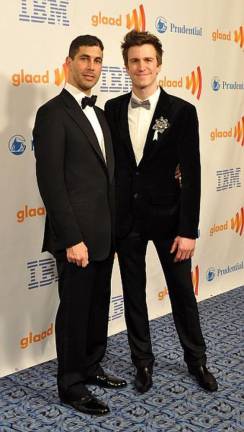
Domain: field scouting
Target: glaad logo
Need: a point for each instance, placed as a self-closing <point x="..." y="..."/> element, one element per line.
<point x="135" y="20"/>
<point x="44" y="11"/>
<point x="38" y="337"/>
<point x="195" y="281"/>
<point x="27" y="78"/>
<point x="210" y="274"/>
<point x="236" y="223"/>
<point x="218" y="84"/>
<point x="60" y="76"/>
<point x="161" y="26"/>
<point x="228" y="179"/>
<point x="17" y="145"/>
<point x="42" y="272"/>
<point x="237" y="132"/>
<point x="192" y="82"/>
<point x="213" y="272"/>
<point x="29" y="212"/>
<point x="237" y="36"/>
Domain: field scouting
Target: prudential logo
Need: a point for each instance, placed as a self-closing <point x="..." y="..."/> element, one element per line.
<point x="215" y="272"/>
<point x="217" y="84"/>
<point x="162" y="25"/>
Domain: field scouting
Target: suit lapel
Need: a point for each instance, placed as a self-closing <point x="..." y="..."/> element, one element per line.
<point x="161" y="110"/>
<point x="72" y="108"/>
<point x="123" y="128"/>
<point x="107" y="142"/>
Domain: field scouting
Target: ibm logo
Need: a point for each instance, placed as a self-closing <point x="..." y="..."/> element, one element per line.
<point x="228" y="179"/>
<point x="44" y="11"/>
<point x="116" y="308"/>
<point x="42" y="273"/>
<point x="115" y="79"/>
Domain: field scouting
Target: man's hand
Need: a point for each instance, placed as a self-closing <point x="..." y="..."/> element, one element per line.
<point x="184" y="248"/>
<point x="78" y="254"/>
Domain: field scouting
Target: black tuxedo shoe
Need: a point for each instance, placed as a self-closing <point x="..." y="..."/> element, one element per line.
<point x="107" y="381"/>
<point x="88" y="405"/>
<point x="205" y="379"/>
<point x="143" y="381"/>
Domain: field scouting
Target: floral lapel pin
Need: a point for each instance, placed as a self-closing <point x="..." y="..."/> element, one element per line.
<point x="160" y="126"/>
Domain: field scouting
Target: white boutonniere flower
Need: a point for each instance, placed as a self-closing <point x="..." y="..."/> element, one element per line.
<point x="160" y="126"/>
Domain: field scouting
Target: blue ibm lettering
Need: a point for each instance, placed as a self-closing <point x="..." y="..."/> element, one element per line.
<point x="44" y="11"/>
<point x="228" y="179"/>
<point x="42" y="273"/>
<point x="116" y="308"/>
<point x="115" y="79"/>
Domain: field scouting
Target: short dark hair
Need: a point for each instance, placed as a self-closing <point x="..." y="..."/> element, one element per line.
<point x="84" y="40"/>
<point x="136" y="38"/>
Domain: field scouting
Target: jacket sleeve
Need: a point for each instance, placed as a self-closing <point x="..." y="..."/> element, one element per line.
<point x="49" y="145"/>
<point x="189" y="158"/>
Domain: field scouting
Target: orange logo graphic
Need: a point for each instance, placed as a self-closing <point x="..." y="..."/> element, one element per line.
<point x="239" y="131"/>
<point x="194" y="82"/>
<point x="239" y="36"/>
<point x="136" y="20"/>
<point x="26" y="78"/>
<point x="237" y="222"/>
<point x="29" y="212"/>
<point x="39" y="337"/>
<point x="60" y="75"/>
<point x="195" y="279"/>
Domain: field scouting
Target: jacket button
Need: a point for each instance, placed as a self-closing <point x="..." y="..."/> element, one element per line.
<point x="137" y="173"/>
<point x="136" y="195"/>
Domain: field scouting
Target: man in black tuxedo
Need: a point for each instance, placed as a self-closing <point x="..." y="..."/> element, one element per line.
<point x="75" y="174"/>
<point x="152" y="133"/>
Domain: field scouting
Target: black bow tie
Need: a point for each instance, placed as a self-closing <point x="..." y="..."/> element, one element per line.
<point x="143" y="104"/>
<point x="88" y="101"/>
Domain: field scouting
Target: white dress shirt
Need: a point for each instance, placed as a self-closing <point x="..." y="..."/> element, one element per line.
<point x="90" y="114"/>
<point x="139" y="122"/>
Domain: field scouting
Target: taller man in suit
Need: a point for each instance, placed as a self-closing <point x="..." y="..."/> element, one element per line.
<point x="75" y="174"/>
<point x="152" y="133"/>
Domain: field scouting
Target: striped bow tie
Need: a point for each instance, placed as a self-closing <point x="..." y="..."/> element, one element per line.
<point x="144" y="104"/>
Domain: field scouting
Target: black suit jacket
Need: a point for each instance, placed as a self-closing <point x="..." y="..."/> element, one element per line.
<point x="75" y="182"/>
<point x="148" y="197"/>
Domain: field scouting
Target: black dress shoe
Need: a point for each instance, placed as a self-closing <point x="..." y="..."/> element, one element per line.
<point x="205" y="379"/>
<point x="107" y="381"/>
<point x="143" y="381"/>
<point x="88" y="405"/>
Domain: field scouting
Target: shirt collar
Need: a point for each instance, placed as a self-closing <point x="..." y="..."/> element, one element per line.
<point x="153" y="98"/>
<point x="75" y="92"/>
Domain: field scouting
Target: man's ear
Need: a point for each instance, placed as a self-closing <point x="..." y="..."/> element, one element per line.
<point x="68" y="60"/>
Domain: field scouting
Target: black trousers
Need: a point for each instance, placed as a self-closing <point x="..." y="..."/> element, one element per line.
<point x="81" y="322"/>
<point x="131" y="254"/>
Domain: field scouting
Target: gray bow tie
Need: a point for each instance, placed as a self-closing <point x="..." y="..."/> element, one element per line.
<point x="144" y="104"/>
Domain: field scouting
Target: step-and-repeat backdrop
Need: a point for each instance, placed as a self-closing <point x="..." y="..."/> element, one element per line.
<point x="203" y="63"/>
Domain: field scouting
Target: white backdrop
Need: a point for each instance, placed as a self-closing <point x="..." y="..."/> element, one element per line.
<point x="203" y="63"/>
